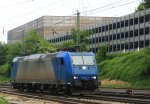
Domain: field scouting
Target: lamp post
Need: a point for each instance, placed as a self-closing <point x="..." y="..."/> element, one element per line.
<point x="108" y="45"/>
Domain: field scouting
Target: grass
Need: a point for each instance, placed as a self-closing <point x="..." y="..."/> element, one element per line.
<point x="115" y="84"/>
<point x="3" y="100"/>
<point x="133" y="67"/>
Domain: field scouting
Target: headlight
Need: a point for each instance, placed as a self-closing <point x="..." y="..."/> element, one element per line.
<point x="94" y="77"/>
<point x="75" y="77"/>
<point x="84" y="67"/>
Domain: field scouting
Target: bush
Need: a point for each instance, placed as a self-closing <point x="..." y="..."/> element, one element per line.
<point x="101" y="54"/>
<point x="5" y="69"/>
<point x="131" y="67"/>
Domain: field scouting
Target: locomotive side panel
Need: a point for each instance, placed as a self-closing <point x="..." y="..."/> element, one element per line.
<point x="38" y="70"/>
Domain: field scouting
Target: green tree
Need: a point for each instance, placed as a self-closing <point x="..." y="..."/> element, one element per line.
<point x="3" y="53"/>
<point x="101" y="54"/>
<point x="83" y="36"/>
<point x="83" y="40"/>
<point x="14" y="50"/>
<point x="35" y="43"/>
<point x="145" y="4"/>
<point x="68" y="44"/>
<point x="11" y="51"/>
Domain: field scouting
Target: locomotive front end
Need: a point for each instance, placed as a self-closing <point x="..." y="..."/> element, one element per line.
<point x="84" y="71"/>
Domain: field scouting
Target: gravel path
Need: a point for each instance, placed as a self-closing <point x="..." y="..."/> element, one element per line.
<point x="24" y="100"/>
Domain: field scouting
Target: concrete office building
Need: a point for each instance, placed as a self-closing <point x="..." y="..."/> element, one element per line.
<point x="127" y="33"/>
<point x="51" y="25"/>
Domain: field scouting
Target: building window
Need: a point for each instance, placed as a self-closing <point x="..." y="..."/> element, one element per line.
<point x="56" y="40"/>
<point x="141" y="31"/>
<point x="96" y="40"/>
<point x="64" y="38"/>
<point x="131" y="45"/>
<point x="122" y="46"/>
<point x="110" y="37"/>
<point x="122" y="23"/>
<point x="126" y="34"/>
<point x="147" y="43"/>
<point x="118" y="47"/>
<point x="135" y="21"/>
<point x="142" y="19"/>
<point x="141" y="44"/>
<point x="110" y="26"/>
<point x="118" y="35"/>
<point x="110" y="48"/>
<point x="118" y="24"/>
<point x="136" y="33"/>
<point x="114" y="25"/>
<point x="96" y="30"/>
<point x="147" y="18"/>
<point x="99" y="29"/>
<point x="106" y="38"/>
<point x="135" y="44"/>
<point x="103" y="28"/>
<point x="122" y="35"/>
<point x="126" y="23"/>
<point x="114" y="47"/>
<point x="103" y="39"/>
<point x="114" y="36"/>
<point x="99" y="39"/>
<point x="147" y="30"/>
<point x="131" y="21"/>
<point x="126" y="46"/>
<point x="106" y="27"/>
<point x="131" y="33"/>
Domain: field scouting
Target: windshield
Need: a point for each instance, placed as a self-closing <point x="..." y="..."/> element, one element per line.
<point x="83" y="60"/>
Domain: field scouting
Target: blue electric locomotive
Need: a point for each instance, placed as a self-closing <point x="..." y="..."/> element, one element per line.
<point x="62" y="71"/>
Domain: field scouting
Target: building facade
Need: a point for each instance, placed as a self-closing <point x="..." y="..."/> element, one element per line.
<point x="51" y="25"/>
<point x="122" y="34"/>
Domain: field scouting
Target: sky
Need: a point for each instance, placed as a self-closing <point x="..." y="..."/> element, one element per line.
<point x="14" y="13"/>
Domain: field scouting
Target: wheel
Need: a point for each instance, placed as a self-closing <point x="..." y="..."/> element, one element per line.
<point x="68" y="90"/>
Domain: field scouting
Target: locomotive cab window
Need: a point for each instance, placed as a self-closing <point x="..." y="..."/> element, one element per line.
<point x="89" y="60"/>
<point x="77" y="60"/>
<point x="83" y="60"/>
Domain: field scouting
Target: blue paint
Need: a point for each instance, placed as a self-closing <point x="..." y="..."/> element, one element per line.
<point x="64" y="71"/>
<point x="14" y="68"/>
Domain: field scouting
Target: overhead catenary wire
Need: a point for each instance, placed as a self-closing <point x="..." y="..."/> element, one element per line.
<point x="92" y="11"/>
<point x="97" y="9"/>
<point x="51" y="4"/>
<point x="15" y="4"/>
<point x="114" y="3"/>
<point x="101" y="7"/>
<point x="114" y="7"/>
<point x="110" y="7"/>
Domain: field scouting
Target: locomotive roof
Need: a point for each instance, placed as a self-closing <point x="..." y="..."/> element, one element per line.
<point x="82" y="53"/>
<point x="34" y="57"/>
<point x="49" y="55"/>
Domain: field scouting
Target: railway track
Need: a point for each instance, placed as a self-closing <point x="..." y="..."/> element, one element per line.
<point x="5" y="85"/>
<point x="49" y="97"/>
<point x="118" y="98"/>
<point x="96" y="98"/>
